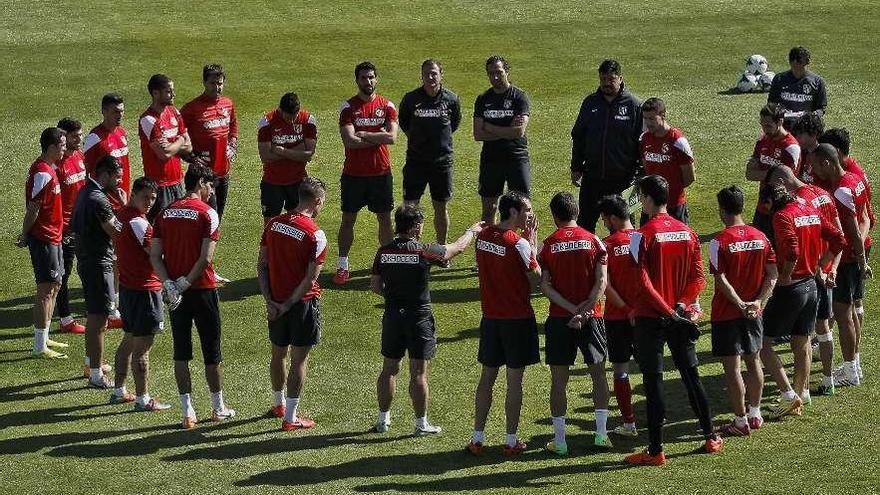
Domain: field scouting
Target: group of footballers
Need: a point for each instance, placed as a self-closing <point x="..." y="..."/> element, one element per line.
<point x="149" y="244"/>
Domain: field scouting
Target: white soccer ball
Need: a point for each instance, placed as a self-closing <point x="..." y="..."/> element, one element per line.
<point x="756" y="64"/>
<point x="766" y="80"/>
<point x="747" y="83"/>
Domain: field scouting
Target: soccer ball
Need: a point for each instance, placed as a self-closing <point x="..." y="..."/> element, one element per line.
<point x="766" y="79"/>
<point x="747" y="82"/>
<point x="756" y="64"/>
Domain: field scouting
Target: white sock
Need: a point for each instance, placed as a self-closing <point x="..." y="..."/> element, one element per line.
<point x="41" y="335"/>
<point x="385" y="417"/>
<point x="805" y="395"/>
<point x="789" y="395"/>
<point x="290" y="412"/>
<point x="95" y="374"/>
<point x="87" y="362"/>
<point x="143" y="400"/>
<point x="114" y="315"/>
<point x="279" y="397"/>
<point x="217" y="401"/>
<point x="511" y="439"/>
<point x="342" y="264"/>
<point x="827" y="380"/>
<point x="66" y="320"/>
<point x="187" y="406"/>
<point x="740" y="421"/>
<point x="602" y="422"/>
<point x="754" y="412"/>
<point x="478" y="437"/>
<point x="857" y="360"/>
<point x="119" y="391"/>
<point x="422" y="422"/>
<point x="558" y="429"/>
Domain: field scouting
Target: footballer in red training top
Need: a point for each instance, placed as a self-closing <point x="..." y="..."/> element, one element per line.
<point x="110" y="138"/>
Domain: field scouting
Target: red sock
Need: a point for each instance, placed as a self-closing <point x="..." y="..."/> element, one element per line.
<point x="623" y="393"/>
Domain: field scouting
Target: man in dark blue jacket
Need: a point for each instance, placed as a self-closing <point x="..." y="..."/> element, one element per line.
<point x="605" y="143"/>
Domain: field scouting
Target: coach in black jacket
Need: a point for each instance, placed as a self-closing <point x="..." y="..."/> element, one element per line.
<point x="605" y="143"/>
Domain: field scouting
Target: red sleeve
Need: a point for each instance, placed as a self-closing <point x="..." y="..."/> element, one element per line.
<point x="211" y="224"/>
<point x="233" y="123"/>
<point x="181" y="125"/>
<point x="345" y="115"/>
<point x="320" y="239"/>
<point x="542" y="255"/>
<point x="787" y="244"/>
<point x="755" y="152"/>
<point x="264" y="131"/>
<point x="157" y="227"/>
<point x="696" y="279"/>
<point x="310" y="129"/>
<point x="770" y="253"/>
<point x="655" y="300"/>
<point x="265" y="233"/>
<point x="186" y="114"/>
<point x="391" y="111"/>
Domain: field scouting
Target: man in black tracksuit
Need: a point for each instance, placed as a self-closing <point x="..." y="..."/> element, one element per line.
<point x="429" y="115"/>
<point x="798" y="90"/>
<point x="605" y="143"/>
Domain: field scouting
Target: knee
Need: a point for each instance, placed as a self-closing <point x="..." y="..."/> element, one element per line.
<point x="390" y="369"/>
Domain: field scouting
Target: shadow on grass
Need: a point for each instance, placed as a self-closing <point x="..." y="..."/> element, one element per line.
<point x="237" y="290"/>
<point x="52" y="415"/>
<point x="17" y="392"/>
<point x="359" y="281"/>
<point x="466" y="334"/>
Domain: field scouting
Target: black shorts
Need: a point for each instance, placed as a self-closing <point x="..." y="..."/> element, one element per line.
<point x="142" y="312"/>
<point x="165" y="195"/>
<point x="681" y="213"/>
<point x="516" y="173"/>
<point x="408" y="331"/>
<point x="299" y="327"/>
<point x="47" y="259"/>
<point x="203" y="307"/>
<point x="275" y="197"/>
<point x="375" y="192"/>
<point x="850" y="284"/>
<point x="562" y="343"/>
<point x="824" y="310"/>
<point x="437" y="176"/>
<point x="621" y="341"/>
<point x="98" y="287"/>
<point x="737" y="337"/>
<point x="511" y="343"/>
<point x="651" y="334"/>
<point x="764" y="223"/>
<point x="217" y="200"/>
<point x="791" y="309"/>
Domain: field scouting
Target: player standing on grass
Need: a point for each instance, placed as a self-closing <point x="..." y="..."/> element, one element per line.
<point x="851" y="200"/>
<point x="819" y="199"/>
<point x="140" y="299"/>
<point x="605" y="142"/>
<point x="798" y="90"/>
<point x="665" y="151"/>
<point x="429" y="115"/>
<point x="501" y="116"/>
<point x="621" y="295"/>
<point x="292" y="252"/>
<point x="72" y="176"/>
<point x="800" y="230"/>
<point x="776" y="147"/>
<point x="367" y="124"/>
<point x="41" y="232"/>
<point x="508" y="331"/>
<point x="164" y="140"/>
<point x="744" y="265"/>
<point x="807" y="130"/>
<point x="668" y="254"/>
<point x="286" y="140"/>
<point x="573" y="276"/>
<point x="400" y="275"/>
<point x="110" y="138"/>
<point x="182" y="253"/>
<point x="95" y="225"/>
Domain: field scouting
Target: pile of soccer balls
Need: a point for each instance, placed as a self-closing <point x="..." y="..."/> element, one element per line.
<point x="756" y="77"/>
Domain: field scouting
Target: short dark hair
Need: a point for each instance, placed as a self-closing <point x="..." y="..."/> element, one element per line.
<point x="432" y="61"/>
<point x="564" y="206"/>
<point x="656" y="188"/>
<point x="609" y="66"/>
<point x="142" y="183"/>
<point x="774" y="111"/>
<point x="194" y="174"/>
<point x="777" y="195"/>
<point x="799" y="54"/>
<point x="108" y="164"/>
<point x="289" y="103"/>
<point x="613" y="205"/>
<point x="407" y="217"/>
<point x="213" y="70"/>
<point x="827" y="151"/>
<point x="111" y="99"/>
<point x="311" y="188"/>
<point x="511" y="199"/>
<point x="365" y="65"/>
<point x="731" y="199"/>
<point x="494" y="59"/>
<point x="654" y="105"/>
<point x="808" y="123"/>
<point x="158" y="82"/>
<point x="69" y="124"/>
<point x="837" y="137"/>
<point x="50" y="136"/>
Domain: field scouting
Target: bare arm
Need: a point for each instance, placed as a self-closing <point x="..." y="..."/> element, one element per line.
<point x="376" y="285"/>
<point x="554" y="295"/>
<point x="723" y="286"/>
<point x="585" y="308"/>
<point x="754" y="171"/>
<point x="457" y="247"/>
<point x="688" y="174"/>
<point x="263" y="274"/>
<point x="32" y="211"/>
<point x="350" y="140"/>
<point x="157" y="261"/>
<point x="165" y="150"/>
<point x="205" y="257"/>
<point x="387" y="136"/>
<point x="312" y="273"/>
<point x="303" y="152"/>
<point x="613" y="297"/>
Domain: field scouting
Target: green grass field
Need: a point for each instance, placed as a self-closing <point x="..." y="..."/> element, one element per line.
<point x="59" y="58"/>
